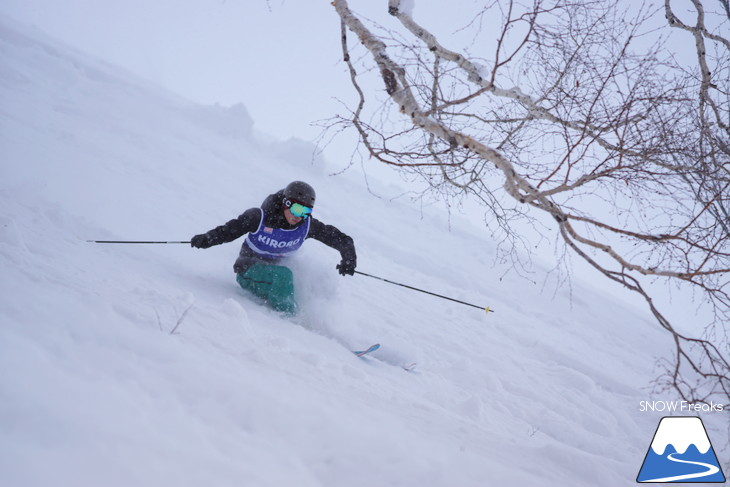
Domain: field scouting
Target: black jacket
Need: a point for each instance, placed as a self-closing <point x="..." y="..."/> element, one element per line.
<point x="250" y="220"/>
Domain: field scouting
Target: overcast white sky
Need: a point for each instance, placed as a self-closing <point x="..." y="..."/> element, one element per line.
<point x="280" y="58"/>
<point x="211" y="52"/>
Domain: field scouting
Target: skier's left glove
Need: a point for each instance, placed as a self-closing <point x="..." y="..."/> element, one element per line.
<point x="202" y="241"/>
<point x="346" y="267"/>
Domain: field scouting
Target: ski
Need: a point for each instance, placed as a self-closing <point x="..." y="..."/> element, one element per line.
<point x="371" y="348"/>
<point x="408" y="367"/>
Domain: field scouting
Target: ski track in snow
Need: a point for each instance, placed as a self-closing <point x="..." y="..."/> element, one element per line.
<point x="95" y="390"/>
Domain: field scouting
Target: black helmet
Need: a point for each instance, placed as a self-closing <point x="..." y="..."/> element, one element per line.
<point x="300" y="192"/>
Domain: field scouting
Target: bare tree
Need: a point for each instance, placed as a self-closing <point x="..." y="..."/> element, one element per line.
<point x="581" y="111"/>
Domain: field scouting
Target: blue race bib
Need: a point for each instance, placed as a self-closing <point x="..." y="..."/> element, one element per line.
<point x="272" y="243"/>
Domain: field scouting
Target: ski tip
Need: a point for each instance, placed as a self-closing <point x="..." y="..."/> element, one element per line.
<point x="371" y="348"/>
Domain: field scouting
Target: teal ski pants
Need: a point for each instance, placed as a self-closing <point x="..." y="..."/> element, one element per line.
<point x="273" y="283"/>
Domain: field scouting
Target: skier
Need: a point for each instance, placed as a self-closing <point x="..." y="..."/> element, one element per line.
<point x="276" y="230"/>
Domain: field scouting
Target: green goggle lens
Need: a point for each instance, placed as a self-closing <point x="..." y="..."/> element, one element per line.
<point x="300" y="211"/>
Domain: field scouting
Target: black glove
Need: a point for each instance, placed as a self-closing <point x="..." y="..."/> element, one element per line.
<point x="346" y="267"/>
<point x="202" y="241"/>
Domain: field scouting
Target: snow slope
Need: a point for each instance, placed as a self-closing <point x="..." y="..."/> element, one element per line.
<point x="95" y="390"/>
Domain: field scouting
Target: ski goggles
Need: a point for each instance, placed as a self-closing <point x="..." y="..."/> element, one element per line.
<point x="298" y="209"/>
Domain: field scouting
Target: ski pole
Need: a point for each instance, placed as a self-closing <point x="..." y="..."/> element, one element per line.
<point x="486" y="309"/>
<point x="137" y="242"/>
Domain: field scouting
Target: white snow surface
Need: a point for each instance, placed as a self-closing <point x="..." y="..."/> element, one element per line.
<point x="95" y="390"/>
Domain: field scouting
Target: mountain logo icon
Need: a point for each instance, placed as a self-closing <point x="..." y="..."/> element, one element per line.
<point x="680" y="452"/>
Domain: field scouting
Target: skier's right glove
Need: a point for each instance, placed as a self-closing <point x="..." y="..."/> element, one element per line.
<point x="346" y="267"/>
<point x="202" y="241"/>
